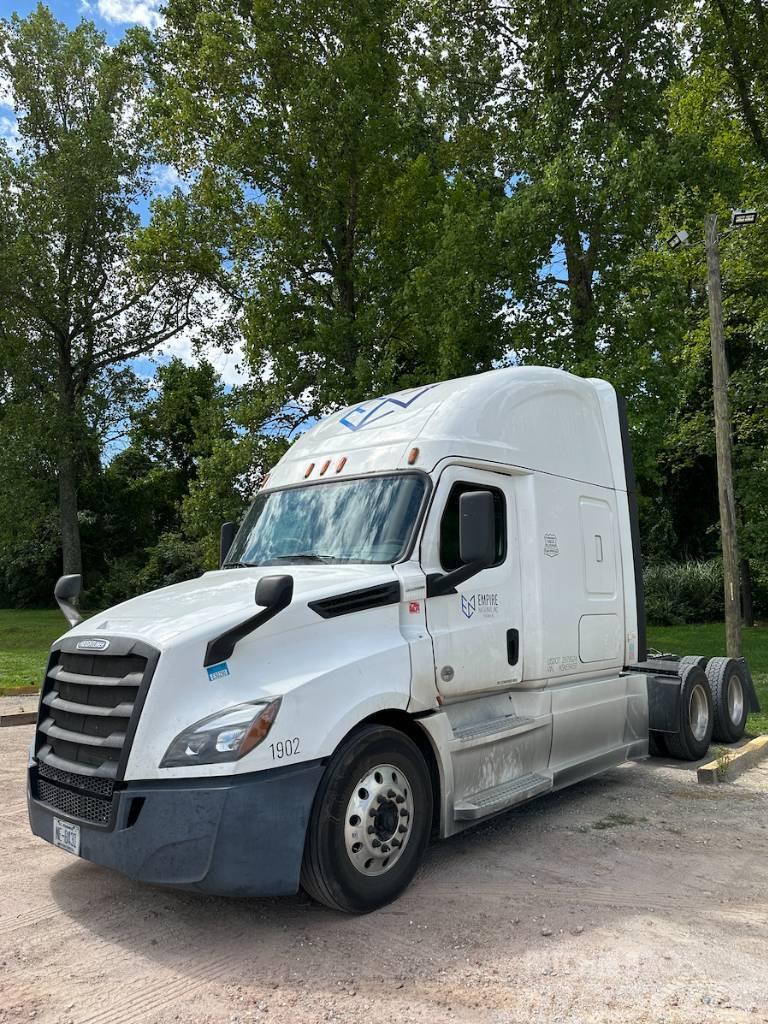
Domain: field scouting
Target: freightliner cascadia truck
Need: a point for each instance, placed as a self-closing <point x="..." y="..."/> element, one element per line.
<point x="431" y="613"/>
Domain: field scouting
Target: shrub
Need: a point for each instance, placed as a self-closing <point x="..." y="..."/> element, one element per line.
<point x="680" y="592"/>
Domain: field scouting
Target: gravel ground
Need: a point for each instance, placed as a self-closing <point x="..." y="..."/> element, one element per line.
<point x="636" y="897"/>
<point x="16" y="705"/>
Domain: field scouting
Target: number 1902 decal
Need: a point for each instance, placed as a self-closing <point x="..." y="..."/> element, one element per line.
<point x="284" y="748"/>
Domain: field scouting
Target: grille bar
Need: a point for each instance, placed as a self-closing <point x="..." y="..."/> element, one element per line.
<point x="53" y="700"/>
<point x="106" y="770"/>
<point x="115" y="740"/>
<point x="62" y="675"/>
<point x="74" y="805"/>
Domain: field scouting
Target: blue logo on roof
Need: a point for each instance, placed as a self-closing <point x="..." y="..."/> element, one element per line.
<point x="362" y="415"/>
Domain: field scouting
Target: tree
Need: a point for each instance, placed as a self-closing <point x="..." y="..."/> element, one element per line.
<point x="78" y="295"/>
<point x="363" y="258"/>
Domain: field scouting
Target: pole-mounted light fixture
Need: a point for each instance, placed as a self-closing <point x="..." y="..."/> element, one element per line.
<point x="679" y="238"/>
<point x="743" y="218"/>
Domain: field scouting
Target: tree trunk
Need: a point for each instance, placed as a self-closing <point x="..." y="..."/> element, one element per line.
<point x="72" y="561"/>
<point x="582" y="301"/>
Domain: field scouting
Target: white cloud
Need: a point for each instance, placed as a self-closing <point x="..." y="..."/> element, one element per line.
<point x="139" y="12"/>
<point x="228" y="364"/>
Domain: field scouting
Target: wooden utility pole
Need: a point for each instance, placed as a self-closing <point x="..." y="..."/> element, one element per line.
<point x="723" y="441"/>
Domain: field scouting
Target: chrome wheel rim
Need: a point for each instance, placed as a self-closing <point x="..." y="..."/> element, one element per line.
<point x="379" y="820"/>
<point x="698" y="712"/>
<point x="735" y="700"/>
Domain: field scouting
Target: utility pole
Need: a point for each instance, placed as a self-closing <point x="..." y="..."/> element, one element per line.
<point x="723" y="442"/>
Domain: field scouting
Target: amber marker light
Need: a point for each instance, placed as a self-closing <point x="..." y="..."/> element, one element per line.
<point x="341" y="463"/>
<point x="325" y="466"/>
<point x="413" y="454"/>
<point x="308" y="470"/>
<point x="259" y="727"/>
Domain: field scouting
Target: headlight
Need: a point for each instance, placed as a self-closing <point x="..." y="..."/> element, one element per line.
<point x="225" y="736"/>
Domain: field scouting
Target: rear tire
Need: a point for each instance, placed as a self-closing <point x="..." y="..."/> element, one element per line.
<point x="696" y="717"/>
<point x="370" y="822"/>
<point x="694" y="659"/>
<point x="729" y="699"/>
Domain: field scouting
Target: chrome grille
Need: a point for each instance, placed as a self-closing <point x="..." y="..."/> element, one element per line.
<point x="88" y="712"/>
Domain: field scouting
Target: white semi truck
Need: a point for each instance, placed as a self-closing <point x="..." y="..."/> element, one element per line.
<point x="432" y="612"/>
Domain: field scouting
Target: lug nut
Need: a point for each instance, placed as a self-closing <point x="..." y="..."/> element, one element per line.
<point x="402" y="829"/>
<point x="385" y="848"/>
<point x="391" y="793"/>
<point x="403" y="813"/>
<point x="373" y="812"/>
<point x="396" y="844"/>
<point x="380" y="799"/>
<point x="399" y="799"/>
<point x="371" y="830"/>
<point x="375" y="843"/>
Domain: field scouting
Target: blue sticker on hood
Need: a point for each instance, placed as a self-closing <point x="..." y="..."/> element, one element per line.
<point x="218" y="671"/>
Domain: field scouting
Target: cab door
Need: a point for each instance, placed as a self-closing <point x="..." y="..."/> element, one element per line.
<point x="476" y="631"/>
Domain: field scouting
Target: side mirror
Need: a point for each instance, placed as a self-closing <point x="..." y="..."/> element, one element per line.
<point x="66" y="591"/>
<point x="226" y="537"/>
<point x="477" y="529"/>
<point x="274" y="591"/>
<point x="477" y="543"/>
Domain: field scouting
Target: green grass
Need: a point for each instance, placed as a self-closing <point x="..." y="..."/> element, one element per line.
<point x="25" y="637"/>
<point x="709" y="639"/>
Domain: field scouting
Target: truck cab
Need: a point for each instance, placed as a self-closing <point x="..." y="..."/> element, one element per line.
<point x="431" y="612"/>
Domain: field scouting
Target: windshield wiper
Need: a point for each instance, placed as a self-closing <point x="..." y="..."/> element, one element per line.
<point x="239" y="565"/>
<point x="301" y="556"/>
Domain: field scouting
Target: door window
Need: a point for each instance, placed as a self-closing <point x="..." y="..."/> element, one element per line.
<point x="449" y="526"/>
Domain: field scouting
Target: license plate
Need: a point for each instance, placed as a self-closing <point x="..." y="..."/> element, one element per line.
<point x="66" y="836"/>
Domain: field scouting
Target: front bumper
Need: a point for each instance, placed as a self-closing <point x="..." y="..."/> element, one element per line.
<point x="235" y="836"/>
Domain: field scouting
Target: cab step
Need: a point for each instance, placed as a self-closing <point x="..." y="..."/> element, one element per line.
<point x="490" y="801"/>
<point x="480" y="733"/>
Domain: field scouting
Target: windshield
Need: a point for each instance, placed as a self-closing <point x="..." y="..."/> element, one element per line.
<point x="365" y="520"/>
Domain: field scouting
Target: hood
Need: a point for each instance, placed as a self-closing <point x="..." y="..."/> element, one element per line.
<point x="222" y="597"/>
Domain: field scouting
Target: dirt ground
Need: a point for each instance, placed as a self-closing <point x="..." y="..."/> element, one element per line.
<point x="639" y="896"/>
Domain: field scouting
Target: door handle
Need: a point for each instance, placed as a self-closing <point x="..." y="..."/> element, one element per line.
<point x="513" y="646"/>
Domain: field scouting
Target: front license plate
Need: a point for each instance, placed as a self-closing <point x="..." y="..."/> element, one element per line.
<point x="66" y="836"/>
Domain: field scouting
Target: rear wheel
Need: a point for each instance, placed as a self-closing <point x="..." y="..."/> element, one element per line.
<point x="370" y="822"/>
<point x="729" y="698"/>
<point x="696" y="719"/>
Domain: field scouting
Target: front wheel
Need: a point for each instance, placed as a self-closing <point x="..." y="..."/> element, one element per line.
<point x="370" y="822"/>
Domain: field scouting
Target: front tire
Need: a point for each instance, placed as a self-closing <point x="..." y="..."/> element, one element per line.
<point x="370" y="822"/>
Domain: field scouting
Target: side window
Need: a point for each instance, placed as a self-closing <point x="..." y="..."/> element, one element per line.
<point x="449" y="526"/>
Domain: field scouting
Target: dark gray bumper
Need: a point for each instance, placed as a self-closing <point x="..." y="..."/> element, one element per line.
<point x="233" y="836"/>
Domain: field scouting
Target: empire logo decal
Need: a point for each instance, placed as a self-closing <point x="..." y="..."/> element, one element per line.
<point x="363" y="415"/>
<point x="484" y="605"/>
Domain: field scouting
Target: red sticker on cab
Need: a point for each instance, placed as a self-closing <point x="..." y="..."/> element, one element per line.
<point x="414" y="607"/>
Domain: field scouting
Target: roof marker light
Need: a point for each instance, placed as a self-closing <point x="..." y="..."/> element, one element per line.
<point x="341" y="463"/>
<point x="413" y="454"/>
<point x="325" y="466"/>
<point x="308" y="470"/>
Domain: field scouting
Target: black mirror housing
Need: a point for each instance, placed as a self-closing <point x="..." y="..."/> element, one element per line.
<point x="67" y="589"/>
<point x="477" y="529"/>
<point x="226" y="537"/>
<point x="274" y="591"/>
